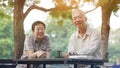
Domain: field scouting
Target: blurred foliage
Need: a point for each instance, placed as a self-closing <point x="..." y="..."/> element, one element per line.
<point x="6" y="6"/>
<point x="6" y="3"/>
<point x="61" y="13"/>
<point x="28" y="3"/>
<point x="6" y="38"/>
<point x="6" y="30"/>
<point x="114" y="45"/>
<point x="6" y="48"/>
<point x="66" y="3"/>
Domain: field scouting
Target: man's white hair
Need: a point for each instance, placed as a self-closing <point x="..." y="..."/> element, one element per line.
<point x="78" y="10"/>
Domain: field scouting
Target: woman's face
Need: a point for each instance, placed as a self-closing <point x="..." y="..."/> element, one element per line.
<point x="39" y="31"/>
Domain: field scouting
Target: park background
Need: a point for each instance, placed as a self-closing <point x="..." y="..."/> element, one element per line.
<point x="58" y="29"/>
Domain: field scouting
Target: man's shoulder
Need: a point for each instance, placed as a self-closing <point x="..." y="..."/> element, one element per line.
<point x="73" y="35"/>
<point x="93" y="30"/>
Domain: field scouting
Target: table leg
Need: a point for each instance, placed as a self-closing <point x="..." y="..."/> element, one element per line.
<point x="75" y="65"/>
<point x="44" y="65"/>
<point x="28" y="65"/>
<point x="92" y="66"/>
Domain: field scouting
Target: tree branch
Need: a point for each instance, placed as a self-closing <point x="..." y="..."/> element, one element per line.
<point x="36" y="7"/>
<point x="46" y="10"/>
<point x="91" y="10"/>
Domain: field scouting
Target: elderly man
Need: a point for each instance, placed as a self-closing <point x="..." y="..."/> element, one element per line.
<point x="85" y="41"/>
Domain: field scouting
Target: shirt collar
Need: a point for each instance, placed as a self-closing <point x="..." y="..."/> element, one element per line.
<point x="88" y="31"/>
<point x="35" y="40"/>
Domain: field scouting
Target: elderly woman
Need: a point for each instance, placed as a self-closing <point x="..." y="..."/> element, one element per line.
<point x="36" y="45"/>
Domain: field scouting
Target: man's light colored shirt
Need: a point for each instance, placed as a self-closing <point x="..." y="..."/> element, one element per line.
<point x="89" y="44"/>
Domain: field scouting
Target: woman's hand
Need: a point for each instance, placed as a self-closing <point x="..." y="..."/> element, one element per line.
<point x="41" y="54"/>
<point x="31" y="54"/>
<point x="37" y="54"/>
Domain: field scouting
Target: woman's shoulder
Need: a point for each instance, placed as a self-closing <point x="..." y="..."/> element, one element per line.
<point x="32" y="37"/>
<point x="46" y="37"/>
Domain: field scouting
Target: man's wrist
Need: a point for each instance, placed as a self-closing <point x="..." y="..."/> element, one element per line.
<point x="72" y="53"/>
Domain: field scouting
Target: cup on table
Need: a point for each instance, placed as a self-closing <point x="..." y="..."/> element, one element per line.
<point x="59" y="53"/>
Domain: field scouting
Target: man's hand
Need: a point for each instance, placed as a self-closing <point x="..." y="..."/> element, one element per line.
<point x="66" y="55"/>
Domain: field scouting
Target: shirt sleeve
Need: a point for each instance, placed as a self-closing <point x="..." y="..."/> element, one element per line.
<point x="71" y="45"/>
<point x="28" y="44"/>
<point x="47" y="43"/>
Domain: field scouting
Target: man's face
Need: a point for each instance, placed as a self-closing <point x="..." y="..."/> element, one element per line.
<point x="39" y="31"/>
<point x="79" y="19"/>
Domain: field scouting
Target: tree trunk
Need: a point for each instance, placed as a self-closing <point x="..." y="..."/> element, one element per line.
<point x="106" y="12"/>
<point x="105" y="32"/>
<point x="18" y="28"/>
